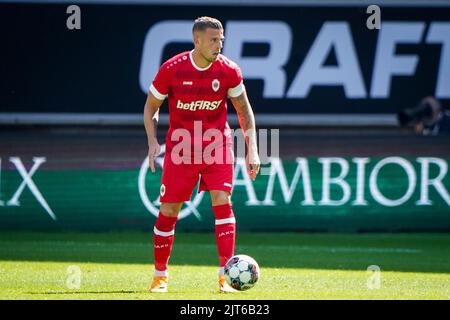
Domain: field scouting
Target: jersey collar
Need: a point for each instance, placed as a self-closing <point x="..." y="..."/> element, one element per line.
<point x="195" y="66"/>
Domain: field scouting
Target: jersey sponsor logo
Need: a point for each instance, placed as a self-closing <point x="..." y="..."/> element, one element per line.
<point x="215" y="85"/>
<point x="187" y="83"/>
<point x="199" y="105"/>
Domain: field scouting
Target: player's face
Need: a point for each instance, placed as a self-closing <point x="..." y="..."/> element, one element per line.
<point x="211" y="43"/>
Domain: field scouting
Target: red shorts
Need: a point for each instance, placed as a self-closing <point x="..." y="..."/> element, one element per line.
<point x="179" y="180"/>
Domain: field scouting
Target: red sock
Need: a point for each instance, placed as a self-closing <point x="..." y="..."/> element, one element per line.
<point x="225" y="232"/>
<point x="163" y="234"/>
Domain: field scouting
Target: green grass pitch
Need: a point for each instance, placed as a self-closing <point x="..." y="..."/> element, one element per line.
<point x="293" y="266"/>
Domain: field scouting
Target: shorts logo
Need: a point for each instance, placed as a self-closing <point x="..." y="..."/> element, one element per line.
<point x="162" y="190"/>
<point x="215" y="85"/>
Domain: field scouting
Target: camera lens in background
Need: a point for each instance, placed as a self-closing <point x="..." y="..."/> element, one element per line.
<point x="413" y="115"/>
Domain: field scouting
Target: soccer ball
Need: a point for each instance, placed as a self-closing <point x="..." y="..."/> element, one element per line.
<point x="241" y="272"/>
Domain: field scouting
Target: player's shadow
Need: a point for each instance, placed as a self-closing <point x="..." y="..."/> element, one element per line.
<point x="85" y="292"/>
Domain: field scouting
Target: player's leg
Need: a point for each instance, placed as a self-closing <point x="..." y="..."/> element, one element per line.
<point x="218" y="180"/>
<point x="225" y="224"/>
<point x="225" y="228"/>
<point x="163" y="236"/>
<point x="178" y="182"/>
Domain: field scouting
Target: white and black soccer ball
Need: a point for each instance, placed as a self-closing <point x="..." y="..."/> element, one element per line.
<point x="241" y="272"/>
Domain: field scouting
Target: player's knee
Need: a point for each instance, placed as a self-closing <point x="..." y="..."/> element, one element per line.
<point x="170" y="209"/>
<point x="220" y="197"/>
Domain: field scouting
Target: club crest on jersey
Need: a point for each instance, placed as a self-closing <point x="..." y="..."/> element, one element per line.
<point x="215" y="85"/>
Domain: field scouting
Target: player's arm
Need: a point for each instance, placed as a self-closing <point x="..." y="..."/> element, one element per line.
<point x="151" y="116"/>
<point x="247" y="122"/>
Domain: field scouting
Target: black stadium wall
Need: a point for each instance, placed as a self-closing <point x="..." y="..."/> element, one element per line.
<point x="296" y="59"/>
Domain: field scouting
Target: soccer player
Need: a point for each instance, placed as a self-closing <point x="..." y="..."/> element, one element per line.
<point x="197" y="84"/>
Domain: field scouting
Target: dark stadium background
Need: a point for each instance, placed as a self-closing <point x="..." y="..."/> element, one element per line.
<point x="74" y="97"/>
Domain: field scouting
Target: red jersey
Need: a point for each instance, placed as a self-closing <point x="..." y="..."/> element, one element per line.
<point x="197" y="96"/>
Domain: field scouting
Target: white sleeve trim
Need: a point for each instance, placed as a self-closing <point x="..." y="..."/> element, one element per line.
<point x="236" y="91"/>
<point x="156" y="93"/>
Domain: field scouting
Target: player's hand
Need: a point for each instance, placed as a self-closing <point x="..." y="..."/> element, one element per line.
<point x="153" y="151"/>
<point x="253" y="163"/>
